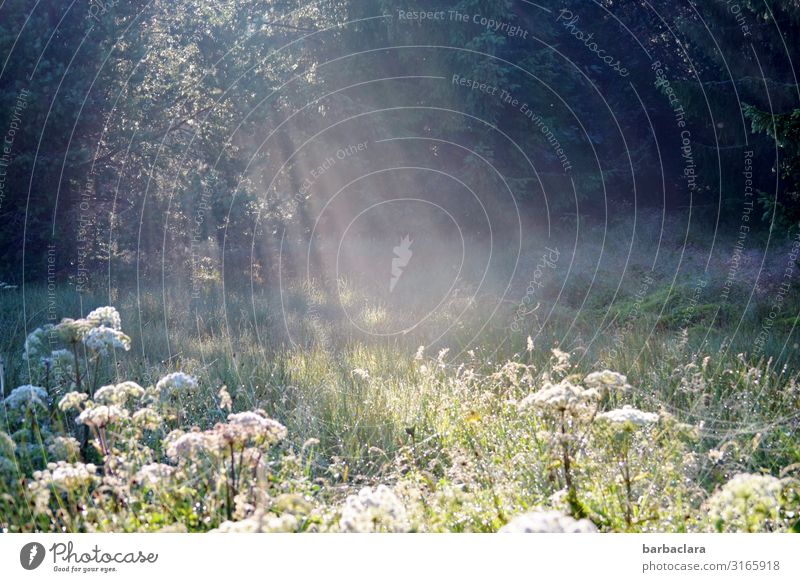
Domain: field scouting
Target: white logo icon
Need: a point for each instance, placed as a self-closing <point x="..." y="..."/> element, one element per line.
<point x="31" y="555"/>
<point x="402" y="256"/>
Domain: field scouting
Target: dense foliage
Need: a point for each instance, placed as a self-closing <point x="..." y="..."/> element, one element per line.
<point x="142" y="115"/>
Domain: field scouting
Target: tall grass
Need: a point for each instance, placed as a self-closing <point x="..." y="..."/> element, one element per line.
<point x="302" y="372"/>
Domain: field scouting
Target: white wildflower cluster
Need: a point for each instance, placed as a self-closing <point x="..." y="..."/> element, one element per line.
<point x="27" y="397"/>
<point x="607" y="381"/>
<point x="147" y="418"/>
<point x="72" y="331"/>
<point x="374" y="510"/>
<point x="72" y="400"/>
<point x="99" y="331"/>
<point x="100" y="416"/>
<point x="153" y="474"/>
<point x="561" y="396"/>
<point x="628" y="416"/>
<point x="101" y="339"/>
<point x="251" y="426"/>
<point x="568" y="397"/>
<point x="105" y="317"/>
<point x="176" y="383"/>
<point x="547" y="522"/>
<point x="37" y="344"/>
<point x="65" y="476"/>
<point x="187" y="445"/>
<point x="242" y="429"/>
<point x="260" y="522"/>
<point x="748" y="502"/>
<point x="119" y="393"/>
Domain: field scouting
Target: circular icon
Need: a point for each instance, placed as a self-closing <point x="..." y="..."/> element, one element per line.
<point x="31" y="555"/>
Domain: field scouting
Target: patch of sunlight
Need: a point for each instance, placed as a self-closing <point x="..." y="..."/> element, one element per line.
<point x="374" y="316"/>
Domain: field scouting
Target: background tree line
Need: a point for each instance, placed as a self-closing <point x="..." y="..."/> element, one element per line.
<point x="140" y="112"/>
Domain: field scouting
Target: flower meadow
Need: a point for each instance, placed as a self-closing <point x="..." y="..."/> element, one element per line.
<point x="526" y="445"/>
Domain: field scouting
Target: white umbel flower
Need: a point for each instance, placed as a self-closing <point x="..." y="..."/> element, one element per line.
<point x="374" y="510"/>
<point x="65" y="476"/>
<point x="629" y="415"/>
<point x="37" y="343"/>
<point x="147" y="418"/>
<point x="119" y="393"/>
<point x="71" y="331"/>
<point x="101" y="416"/>
<point x="746" y="502"/>
<point x="186" y="446"/>
<point x="607" y="381"/>
<point x="547" y="522"/>
<point x="260" y="522"/>
<point x="26" y="397"/>
<point x="561" y="396"/>
<point x="72" y="400"/>
<point x="101" y="339"/>
<point x="106" y="317"/>
<point x="251" y="425"/>
<point x="176" y="383"/>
